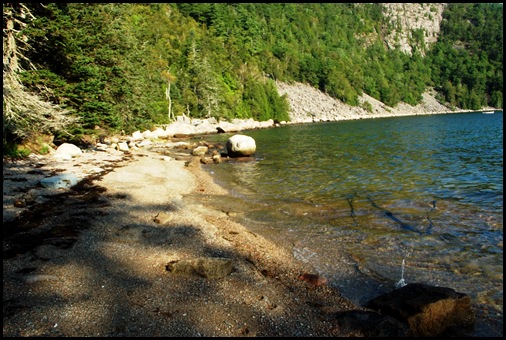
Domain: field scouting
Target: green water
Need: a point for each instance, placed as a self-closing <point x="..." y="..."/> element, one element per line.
<point x="356" y="198"/>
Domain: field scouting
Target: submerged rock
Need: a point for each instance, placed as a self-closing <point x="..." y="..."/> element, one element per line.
<point x="313" y="279"/>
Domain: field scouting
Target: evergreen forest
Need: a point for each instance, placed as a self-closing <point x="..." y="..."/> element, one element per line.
<point x="71" y="68"/>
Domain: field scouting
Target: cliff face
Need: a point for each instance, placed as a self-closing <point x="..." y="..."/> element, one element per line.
<point x="408" y="21"/>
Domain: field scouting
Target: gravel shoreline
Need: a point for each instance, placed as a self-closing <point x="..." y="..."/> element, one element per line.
<point x="310" y="105"/>
<point x="94" y="260"/>
<point x="99" y="267"/>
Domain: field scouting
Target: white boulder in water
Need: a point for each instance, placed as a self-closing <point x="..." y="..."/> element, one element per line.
<point x="241" y="146"/>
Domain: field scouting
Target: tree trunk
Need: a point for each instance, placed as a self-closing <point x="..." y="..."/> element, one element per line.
<point x="25" y="114"/>
<point x="167" y="95"/>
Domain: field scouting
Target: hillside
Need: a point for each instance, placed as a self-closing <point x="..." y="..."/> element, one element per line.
<point x="311" y="105"/>
<point x="72" y="69"/>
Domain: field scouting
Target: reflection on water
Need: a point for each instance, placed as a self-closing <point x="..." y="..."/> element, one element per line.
<point x="372" y="194"/>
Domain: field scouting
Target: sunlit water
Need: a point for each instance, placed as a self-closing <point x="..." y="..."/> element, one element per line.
<point x="356" y="199"/>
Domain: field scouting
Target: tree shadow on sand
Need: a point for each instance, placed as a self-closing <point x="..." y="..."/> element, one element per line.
<point x="82" y="264"/>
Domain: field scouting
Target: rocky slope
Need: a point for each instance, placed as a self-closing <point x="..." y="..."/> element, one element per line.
<point x="308" y="104"/>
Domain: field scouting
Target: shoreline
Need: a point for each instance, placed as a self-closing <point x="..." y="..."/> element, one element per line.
<point x="142" y="212"/>
<point x="100" y="263"/>
<point x="104" y="273"/>
<point x="188" y="127"/>
<point x="310" y="105"/>
<point x="107" y="264"/>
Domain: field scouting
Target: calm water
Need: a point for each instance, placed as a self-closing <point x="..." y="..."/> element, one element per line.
<point x="359" y="198"/>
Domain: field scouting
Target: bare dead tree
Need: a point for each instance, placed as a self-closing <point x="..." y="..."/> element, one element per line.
<point x="169" y="78"/>
<point x="24" y="114"/>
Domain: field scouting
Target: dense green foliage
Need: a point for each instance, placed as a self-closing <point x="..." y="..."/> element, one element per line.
<point x="467" y="61"/>
<point x="128" y="66"/>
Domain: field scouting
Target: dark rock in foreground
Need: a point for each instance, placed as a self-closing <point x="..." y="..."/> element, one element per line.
<point x="428" y="310"/>
<point x="357" y="323"/>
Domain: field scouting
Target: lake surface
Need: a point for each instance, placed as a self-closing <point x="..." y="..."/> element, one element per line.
<point x="373" y="204"/>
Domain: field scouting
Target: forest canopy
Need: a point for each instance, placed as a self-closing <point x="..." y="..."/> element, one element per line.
<point x="128" y="66"/>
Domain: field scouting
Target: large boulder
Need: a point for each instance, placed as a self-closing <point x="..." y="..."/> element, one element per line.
<point x="160" y="133"/>
<point x="137" y="135"/>
<point x="68" y="149"/>
<point x="428" y="310"/>
<point x="241" y="146"/>
<point x="229" y="127"/>
<point x="205" y="127"/>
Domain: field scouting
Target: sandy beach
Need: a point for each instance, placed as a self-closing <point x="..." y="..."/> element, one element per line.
<point x="102" y="258"/>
